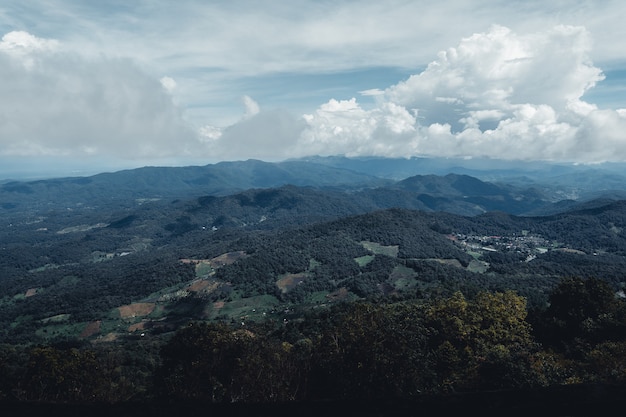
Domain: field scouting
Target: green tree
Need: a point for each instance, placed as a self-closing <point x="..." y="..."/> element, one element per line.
<point x="62" y="375"/>
<point x="371" y="351"/>
<point x="606" y="363"/>
<point x="199" y="362"/>
<point x="582" y="312"/>
<point x="12" y="362"/>
<point x="482" y="343"/>
<point x="216" y="363"/>
<point x="272" y="371"/>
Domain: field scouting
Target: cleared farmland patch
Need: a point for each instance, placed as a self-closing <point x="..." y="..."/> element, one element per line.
<point x="251" y="308"/>
<point x="203" y="286"/>
<point x="403" y="277"/>
<point x="364" y="260"/>
<point x="207" y="267"/>
<point x="379" y="249"/>
<point x="227" y="258"/>
<point x="290" y="281"/>
<point x="91" y="329"/>
<point x="136" y="310"/>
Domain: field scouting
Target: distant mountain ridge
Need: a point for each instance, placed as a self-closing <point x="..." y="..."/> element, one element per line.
<point x="223" y="178"/>
<point x="564" y="180"/>
<point x="367" y="182"/>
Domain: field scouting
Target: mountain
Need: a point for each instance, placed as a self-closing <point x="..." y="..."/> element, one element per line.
<point x="559" y="180"/>
<point x="173" y="182"/>
<point x="456" y="193"/>
<point x="436" y="184"/>
<point x="122" y="235"/>
<point x="443" y="192"/>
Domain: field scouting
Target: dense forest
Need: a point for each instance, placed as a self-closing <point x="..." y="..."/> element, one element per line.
<point x="309" y="295"/>
<point x="366" y="351"/>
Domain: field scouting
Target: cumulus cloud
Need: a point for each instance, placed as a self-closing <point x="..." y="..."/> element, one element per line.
<point x="56" y="102"/>
<point x="496" y="94"/>
<point x="344" y="127"/>
<point x="498" y="69"/>
<point x="20" y="42"/>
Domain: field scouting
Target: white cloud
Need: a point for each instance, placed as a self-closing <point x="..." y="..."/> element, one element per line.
<point x="210" y="133"/>
<point x="20" y="42"/>
<point x="499" y="69"/>
<point x="496" y="94"/>
<point x="22" y="47"/>
<point x="260" y="134"/>
<point x="372" y="92"/>
<point x="514" y="90"/>
<point x="344" y="127"/>
<point x="168" y="83"/>
<point x="247" y="36"/>
<point x="55" y="102"/>
<point x="251" y="106"/>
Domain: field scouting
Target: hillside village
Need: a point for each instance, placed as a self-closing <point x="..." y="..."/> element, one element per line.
<point x="525" y="243"/>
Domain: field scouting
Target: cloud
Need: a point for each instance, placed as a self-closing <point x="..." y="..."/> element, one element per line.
<point x="20" y="42"/>
<point x="168" y="83"/>
<point x="344" y="127"/>
<point x="372" y="92"/>
<point x="495" y="94"/>
<point x="57" y="102"/>
<point x="21" y="47"/>
<point x="269" y="135"/>
<point x="498" y="70"/>
<point x="252" y="107"/>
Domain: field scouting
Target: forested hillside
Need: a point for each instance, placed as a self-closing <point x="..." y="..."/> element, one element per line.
<point x="447" y="354"/>
<point x="306" y="294"/>
<point x="294" y="245"/>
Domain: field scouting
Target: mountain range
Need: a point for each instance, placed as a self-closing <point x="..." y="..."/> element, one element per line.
<point x="458" y="186"/>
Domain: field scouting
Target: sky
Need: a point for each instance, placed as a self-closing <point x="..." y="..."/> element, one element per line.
<point x="89" y="86"/>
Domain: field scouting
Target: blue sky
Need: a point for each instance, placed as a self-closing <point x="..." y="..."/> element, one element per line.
<point x="88" y="86"/>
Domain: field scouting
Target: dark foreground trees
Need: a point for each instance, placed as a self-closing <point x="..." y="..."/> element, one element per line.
<point x="397" y="350"/>
<point x="213" y="362"/>
<point x="353" y="351"/>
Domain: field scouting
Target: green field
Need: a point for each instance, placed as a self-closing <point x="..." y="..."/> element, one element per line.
<point x="379" y="249"/>
<point x="364" y="260"/>
<point x="252" y="308"/>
